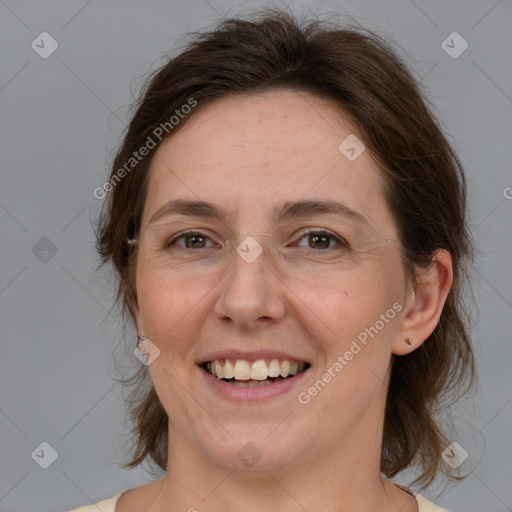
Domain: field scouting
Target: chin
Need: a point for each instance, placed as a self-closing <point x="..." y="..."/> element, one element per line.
<point x="254" y="450"/>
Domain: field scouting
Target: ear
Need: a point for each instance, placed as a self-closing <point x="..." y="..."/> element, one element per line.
<point x="424" y="304"/>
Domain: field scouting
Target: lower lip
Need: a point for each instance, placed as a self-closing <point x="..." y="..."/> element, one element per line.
<point x="251" y="394"/>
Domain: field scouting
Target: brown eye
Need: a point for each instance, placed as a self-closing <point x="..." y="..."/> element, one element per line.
<point x="317" y="241"/>
<point x="322" y="240"/>
<point x="194" y="241"/>
<point x="190" y="240"/>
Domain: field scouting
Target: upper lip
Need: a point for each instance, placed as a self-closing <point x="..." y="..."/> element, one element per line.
<point x="249" y="356"/>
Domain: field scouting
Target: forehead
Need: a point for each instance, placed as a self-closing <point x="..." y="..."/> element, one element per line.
<point x="251" y="152"/>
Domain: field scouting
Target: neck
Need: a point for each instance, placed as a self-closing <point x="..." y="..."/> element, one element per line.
<point x="342" y="477"/>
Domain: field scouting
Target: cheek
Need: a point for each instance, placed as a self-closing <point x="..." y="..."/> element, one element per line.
<point x="362" y="320"/>
<point x="343" y="305"/>
<point x="171" y="308"/>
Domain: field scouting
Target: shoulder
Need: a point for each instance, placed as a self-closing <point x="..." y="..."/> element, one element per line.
<point x="137" y="498"/>
<point x="425" y="505"/>
<point x="108" y="505"/>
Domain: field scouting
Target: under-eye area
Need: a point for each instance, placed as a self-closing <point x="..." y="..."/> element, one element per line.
<point x="261" y="372"/>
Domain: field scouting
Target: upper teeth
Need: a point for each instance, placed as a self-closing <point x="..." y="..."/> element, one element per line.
<point x="256" y="370"/>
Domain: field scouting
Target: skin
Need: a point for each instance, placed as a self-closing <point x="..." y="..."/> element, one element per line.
<point x="249" y="153"/>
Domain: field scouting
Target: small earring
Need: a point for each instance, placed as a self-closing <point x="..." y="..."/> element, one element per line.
<point x="408" y="341"/>
<point x="132" y="241"/>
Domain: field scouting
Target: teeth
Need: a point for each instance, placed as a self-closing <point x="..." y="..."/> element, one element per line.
<point x="274" y="368"/>
<point x="219" y="369"/>
<point x="229" y="371"/>
<point x="242" y="370"/>
<point x="259" y="370"/>
<point x="285" y="369"/>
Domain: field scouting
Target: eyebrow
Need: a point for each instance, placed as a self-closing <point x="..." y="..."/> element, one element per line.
<point x="288" y="210"/>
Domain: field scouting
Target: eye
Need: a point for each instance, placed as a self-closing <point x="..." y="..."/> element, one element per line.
<point x="191" y="240"/>
<point x="322" y="240"/>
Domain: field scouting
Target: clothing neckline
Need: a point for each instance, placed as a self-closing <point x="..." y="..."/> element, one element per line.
<point x="408" y="490"/>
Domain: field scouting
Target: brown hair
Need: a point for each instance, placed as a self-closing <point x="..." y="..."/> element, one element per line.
<point x="424" y="186"/>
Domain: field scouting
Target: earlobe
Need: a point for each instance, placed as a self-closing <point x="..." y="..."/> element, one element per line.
<point x="424" y="305"/>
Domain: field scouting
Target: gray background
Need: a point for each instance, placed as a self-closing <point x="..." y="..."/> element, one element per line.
<point x="60" y="119"/>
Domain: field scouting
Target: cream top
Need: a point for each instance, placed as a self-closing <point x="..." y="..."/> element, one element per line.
<point x="109" y="505"/>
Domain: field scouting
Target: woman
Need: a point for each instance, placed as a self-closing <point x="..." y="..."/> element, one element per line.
<point x="288" y="224"/>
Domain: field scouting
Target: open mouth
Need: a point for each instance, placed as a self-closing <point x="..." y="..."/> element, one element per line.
<point x="254" y="373"/>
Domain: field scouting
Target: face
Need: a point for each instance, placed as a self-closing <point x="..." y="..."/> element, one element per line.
<point x="291" y="266"/>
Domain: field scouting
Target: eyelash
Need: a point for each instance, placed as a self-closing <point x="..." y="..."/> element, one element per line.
<point x="186" y="234"/>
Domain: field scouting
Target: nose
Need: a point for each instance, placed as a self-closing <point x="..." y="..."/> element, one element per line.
<point x="251" y="294"/>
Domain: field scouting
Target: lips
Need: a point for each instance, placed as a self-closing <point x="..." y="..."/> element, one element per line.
<point x="253" y="391"/>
